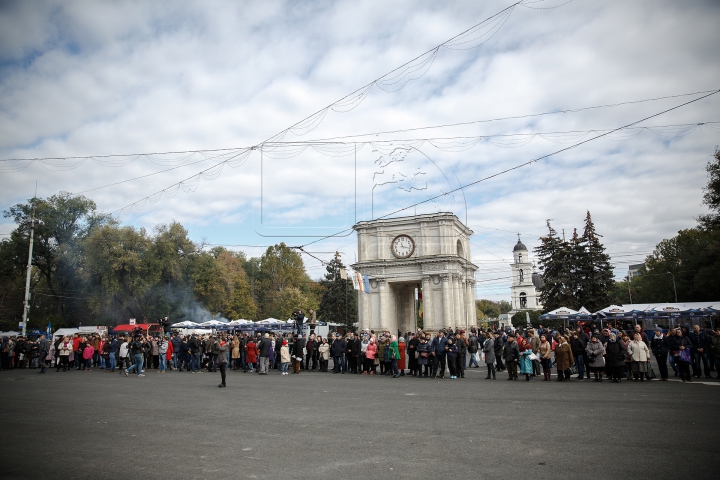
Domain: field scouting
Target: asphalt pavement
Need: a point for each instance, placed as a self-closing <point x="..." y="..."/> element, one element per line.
<point x="83" y="425"/>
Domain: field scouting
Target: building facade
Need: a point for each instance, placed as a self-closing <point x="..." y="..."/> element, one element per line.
<point x="429" y="253"/>
<point x="523" y="294"/>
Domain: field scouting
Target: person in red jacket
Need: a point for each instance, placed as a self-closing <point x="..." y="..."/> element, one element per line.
<point x="77" y="354"/>
<point x="250" y="355"/>
<point x="401" y="361"/>
<point x="87" y="355"/>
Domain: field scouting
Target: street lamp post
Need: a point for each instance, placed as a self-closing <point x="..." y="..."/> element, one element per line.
<point x="628" y="282"/>
<point x="26" y="303"/>
<point x="674" y="288"/>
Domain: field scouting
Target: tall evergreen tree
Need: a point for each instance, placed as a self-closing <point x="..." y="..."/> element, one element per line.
<point x="338" y="303"/>
<point x="594" y="272"/>
<point x="711" y="194"/>
<point x="553" y="256"/>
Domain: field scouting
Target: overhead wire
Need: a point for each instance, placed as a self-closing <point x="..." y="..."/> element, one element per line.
<point x="524" y="164"/>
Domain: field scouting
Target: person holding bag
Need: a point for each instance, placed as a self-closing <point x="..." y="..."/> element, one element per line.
<point x="65" y="349"/>
<point x="595" y="355"/>
<point x="639" y="357"/>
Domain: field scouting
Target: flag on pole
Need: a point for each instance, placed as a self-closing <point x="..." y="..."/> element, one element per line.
<point x="366" y="284"/>
<point x="354" y="278"/>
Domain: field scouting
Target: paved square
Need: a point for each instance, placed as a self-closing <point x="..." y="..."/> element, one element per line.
<point x="96" y="425"/>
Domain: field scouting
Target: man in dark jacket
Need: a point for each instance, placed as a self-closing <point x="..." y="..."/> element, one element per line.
<point x="577" y="346"/>
<point x="43" y="350"/>
<point x="411" y="354"/>
<point x="278" y="346"/>
<point x="196" y="354"/>
<point x="498" y="348"/>
<point x="353" y="353"/>
<point x="337" y="350"/>
<point x="461" y="345"/>
<point x="473" y="346"/>
<point x="309" y="347"/>
<point x="699" y="352"/>
<point x="264" y="349"/>
<point x="439" y="350"/>
<point x="660" y="348"/>
<point x="511" y="355"/>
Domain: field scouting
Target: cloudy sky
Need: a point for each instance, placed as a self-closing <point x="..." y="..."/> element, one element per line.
<point x="105" y="81"/>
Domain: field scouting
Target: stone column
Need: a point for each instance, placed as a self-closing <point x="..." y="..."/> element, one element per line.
<point x="470" y="302"/>
<point x="458" y="306"/>
<point x="428" y="320"/>
<point x="447" y="297"/>
<point x="383" y="323"/>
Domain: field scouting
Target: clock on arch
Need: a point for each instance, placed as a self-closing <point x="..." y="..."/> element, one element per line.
<point x="402" y="246"/>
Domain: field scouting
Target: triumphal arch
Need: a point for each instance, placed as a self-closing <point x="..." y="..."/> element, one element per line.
<point x="425" y="256"/>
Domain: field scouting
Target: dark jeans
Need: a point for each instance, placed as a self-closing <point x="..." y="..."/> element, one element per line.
<point x="684" y="370"/>
<point x="697" y="371"/>
<point x="580" y="362"/>
<point x="338" y="365"/>
<point x="438" y="360"/>
<point x="491" y="370"/>
<point x="222" y="371"/>
<point x="460" y="366"/>
<point x="452" y="365"/>
<point x="512" y="368"/>
<point x="662" y="365"/>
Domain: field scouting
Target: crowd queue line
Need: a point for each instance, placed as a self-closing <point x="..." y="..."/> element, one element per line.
<point x="607" y="353"/>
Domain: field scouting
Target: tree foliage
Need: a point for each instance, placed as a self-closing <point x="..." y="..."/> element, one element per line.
<point x="90" y="269"/>
<point x="338" y="303"/>
<point x="576" y="272"/>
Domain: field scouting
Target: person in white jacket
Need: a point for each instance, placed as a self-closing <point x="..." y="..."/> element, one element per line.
<point x="639" y="357"/>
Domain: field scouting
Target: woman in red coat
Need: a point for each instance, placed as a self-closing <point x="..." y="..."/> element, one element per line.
<point x="250" y="355"/>
<point x="401" y="362"/>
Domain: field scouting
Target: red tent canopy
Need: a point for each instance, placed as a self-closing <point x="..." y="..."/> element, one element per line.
<point x="130" y="328"/>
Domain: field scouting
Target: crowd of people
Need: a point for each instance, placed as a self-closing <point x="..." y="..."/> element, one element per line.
<point x="588" y="352"/>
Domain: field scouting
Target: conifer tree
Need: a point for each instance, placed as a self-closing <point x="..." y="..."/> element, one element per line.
<point x="554" y="258"/>
<point x="594" y="272"/>
<point x="338" y="303"/>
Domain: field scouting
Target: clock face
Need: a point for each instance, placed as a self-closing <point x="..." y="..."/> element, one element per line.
<point x="402" y="246"/>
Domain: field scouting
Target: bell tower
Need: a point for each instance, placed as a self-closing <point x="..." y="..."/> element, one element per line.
<point x="523" y="293"/>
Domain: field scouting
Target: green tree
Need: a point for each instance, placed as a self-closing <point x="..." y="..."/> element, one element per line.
<point x="592" y="270"/>
<point x="280" y="268"/>
<point x="692" y="258"/>
<point x="67" y="220"/>
<point x="520" y="318"/>
<point x="554" y="259"/>
<point x="119" y="272"/>
<point x="711" y="195"/>
<point x="338" y="303"/>
<point x="287" y="300"/>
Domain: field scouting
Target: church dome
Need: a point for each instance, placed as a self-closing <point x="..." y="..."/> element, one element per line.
<point x="519" y="246"/>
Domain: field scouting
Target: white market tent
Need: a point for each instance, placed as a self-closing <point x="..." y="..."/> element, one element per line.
<point x="11" y="333"/>
<point x="269" y="321"/>
<point x="239" y="321"/>
<point x="212" y="323"/>
<point x="61" y="332"/>
<point x="185" y="324"/>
